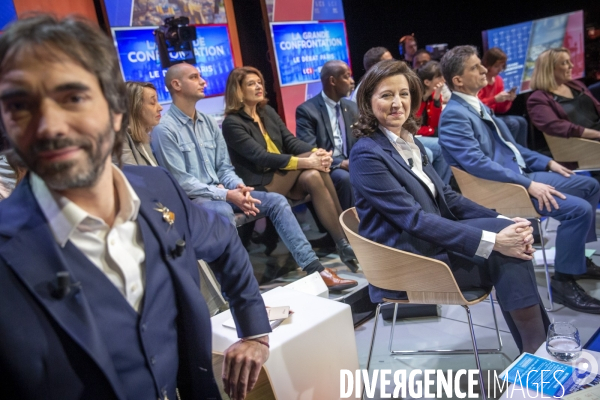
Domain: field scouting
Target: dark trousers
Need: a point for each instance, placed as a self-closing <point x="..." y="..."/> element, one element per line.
<point x="513" y="278"/>
<point x="343" y="188"/>
<point x="577" y="216"/>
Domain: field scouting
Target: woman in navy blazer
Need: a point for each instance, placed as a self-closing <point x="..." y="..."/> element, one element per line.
<point x="403" y="203"/>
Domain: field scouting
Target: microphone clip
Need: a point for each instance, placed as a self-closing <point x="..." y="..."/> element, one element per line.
<point x="411" y="163"/>
<point x="179" y="248"/>
<point x="425" y="160"/>
<point x="63" y="287"/>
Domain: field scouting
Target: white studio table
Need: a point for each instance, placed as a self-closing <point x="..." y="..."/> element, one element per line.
<point x="532" y="394"/>
<point x="308" y="350"/>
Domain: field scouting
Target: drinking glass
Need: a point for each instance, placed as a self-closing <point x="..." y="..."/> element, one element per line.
<point x="563" y="341"/>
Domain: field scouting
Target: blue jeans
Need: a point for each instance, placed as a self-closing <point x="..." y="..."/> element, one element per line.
<point x="434" y="153"/>
<point x="517" y="126"/>
<point x="577" y="216"/>
<point x="277" y="208"/>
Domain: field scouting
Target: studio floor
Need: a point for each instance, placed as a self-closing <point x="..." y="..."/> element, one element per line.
<point x="449" y="330"/>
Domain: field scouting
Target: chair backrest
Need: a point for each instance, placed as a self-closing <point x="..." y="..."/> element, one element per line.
<point x="585" y="152"/>
<point x="506" y="198"/>
<point x="426" y="280"/>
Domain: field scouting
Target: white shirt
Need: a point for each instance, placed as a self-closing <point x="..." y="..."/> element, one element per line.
<point x="335" y="127"/>
<point x="118" y="251"/>
<point x="8" y="178"/>
<point x="474" y="102"/>
<point x="150" y="158"/>
<point x="411" y="150"/>
<point x="446" y="93"/>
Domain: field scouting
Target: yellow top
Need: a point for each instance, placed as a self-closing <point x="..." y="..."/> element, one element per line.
<point x="271" y="148"/>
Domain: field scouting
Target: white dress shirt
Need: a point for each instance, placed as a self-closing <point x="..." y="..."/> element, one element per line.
<point x="474" y="102"/>
<point x="409" y="150"/>
<point x="8" y="178"/>
<point x="118" y="250"/>
<point x="144" y="148"/>
<point x="335" y="127"/>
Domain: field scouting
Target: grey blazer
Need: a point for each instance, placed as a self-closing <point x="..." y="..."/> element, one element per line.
<point x="133" y="153"/>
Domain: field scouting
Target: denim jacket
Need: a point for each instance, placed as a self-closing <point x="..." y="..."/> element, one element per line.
<point x="198" y="160"/>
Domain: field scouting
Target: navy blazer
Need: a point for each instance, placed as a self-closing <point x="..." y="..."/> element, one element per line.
<point x="52" y="349"/>
<point x="313" y="126"/>
<point x="398" y="210"/>
<point x="471" y="143"/>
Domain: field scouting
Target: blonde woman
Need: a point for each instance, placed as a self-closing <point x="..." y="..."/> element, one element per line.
<point x="144" y="114"/>
<point x="561" y="106"/>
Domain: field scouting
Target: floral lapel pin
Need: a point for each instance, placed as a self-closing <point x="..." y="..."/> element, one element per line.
<point x="168" y="215"/>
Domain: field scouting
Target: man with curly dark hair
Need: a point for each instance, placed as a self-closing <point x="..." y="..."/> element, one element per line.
<point x="99" y="285"/>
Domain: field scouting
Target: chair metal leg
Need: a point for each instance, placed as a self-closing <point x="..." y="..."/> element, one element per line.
<point x="496" y="323"/>
<point x="482" y="387"/>
<point x="548" y="280"/>
<point x="392" y="330"/>
<point x="546" y="225"/>
<point x="447" y="352"/>
<point x="474" y="351"/>
<point x="371" y="346"/>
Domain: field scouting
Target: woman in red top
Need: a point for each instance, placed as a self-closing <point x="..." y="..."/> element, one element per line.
<point x="430" y="111"/>
<point x="499" y="100"/>
<point x="431" y="106"/>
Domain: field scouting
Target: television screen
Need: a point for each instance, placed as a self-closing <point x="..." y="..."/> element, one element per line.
<point x="153" y="12"/>
<point x="7" y="13"/>
<point x="139" y="58"/>
<point x="301" y="49"/>
<point x="524" y="42"/>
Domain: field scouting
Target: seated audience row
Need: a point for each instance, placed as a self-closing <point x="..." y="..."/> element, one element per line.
<point x="190" y="145"/>
<point x="479" y="143"/>
<point x="270" y="158"/>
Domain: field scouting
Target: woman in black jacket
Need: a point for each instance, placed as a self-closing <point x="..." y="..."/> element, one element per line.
<point x="267" y="156"/>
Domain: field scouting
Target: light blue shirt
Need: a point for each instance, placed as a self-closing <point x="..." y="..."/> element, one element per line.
<point x="195" y="153"/>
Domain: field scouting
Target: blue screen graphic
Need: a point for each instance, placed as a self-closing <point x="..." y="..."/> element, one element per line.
<point x="327" y="10"/>
<point x="140" y="61"/>
<point x="302" y="48"/>
<point x="7" y="13"/>
<point x="118" y="12"/>
<point x="514" y="41"/>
